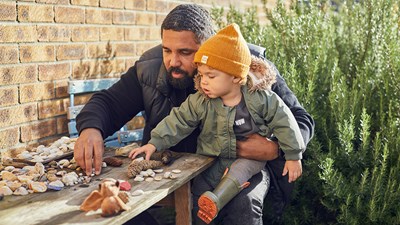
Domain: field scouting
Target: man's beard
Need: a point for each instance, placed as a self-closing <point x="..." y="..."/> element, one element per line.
<point x="180" y="83"/>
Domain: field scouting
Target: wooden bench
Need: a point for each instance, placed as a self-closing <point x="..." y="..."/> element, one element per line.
<point x="82" y="87"/>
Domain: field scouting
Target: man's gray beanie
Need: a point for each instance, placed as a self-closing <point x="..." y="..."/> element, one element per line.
<point x="190" y="17"/>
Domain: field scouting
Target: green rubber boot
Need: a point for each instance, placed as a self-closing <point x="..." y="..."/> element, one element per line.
<point x="210" y="203"/>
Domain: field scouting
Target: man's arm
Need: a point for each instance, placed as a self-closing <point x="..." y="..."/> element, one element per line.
<point x="106" y="112"/>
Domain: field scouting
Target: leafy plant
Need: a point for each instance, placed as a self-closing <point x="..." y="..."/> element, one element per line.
<point x="342" y="60"/>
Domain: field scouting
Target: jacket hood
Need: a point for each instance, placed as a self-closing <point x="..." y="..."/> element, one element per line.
<point x="260" y="77"/>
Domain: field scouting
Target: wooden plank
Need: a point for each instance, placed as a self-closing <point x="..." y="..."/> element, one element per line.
<point x="93" y="85"/>
<point x="183" y="205"/>
<point x="62" y="207"/>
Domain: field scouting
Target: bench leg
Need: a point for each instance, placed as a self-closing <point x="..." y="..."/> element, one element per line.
<point x="183" y="205"/>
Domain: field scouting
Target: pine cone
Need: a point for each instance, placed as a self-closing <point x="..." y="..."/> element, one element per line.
<point x="136" y="166"/>
<point x="113" y="161"/>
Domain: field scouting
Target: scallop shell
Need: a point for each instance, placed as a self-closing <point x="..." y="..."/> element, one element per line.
<point x="5" y="190"/>
<point x="137" y="192"/>
<point x="158" y="177"/>
<point x="21" y="191"/>
<point x="176" y="171"/>
<point x="8" y="176"/>
<point x="38" y="186"/>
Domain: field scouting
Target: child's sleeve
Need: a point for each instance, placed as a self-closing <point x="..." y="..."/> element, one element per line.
<point x="178" y="124"/>
<point x="284" y="127"/>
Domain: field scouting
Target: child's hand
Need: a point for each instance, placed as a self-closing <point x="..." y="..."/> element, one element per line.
<point x="294" y="168"/>
<point x="148" y="149"/>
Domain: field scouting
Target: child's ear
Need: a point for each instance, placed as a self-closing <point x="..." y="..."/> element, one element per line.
<point x="237" y="80"/>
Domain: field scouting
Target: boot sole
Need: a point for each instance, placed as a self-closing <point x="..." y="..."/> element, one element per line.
<point x="207" y="209"/>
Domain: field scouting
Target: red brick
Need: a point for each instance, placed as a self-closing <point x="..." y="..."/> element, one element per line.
<point x="112" y="4"/>
<point x="36" y="53"/>
<point x="124" y="49"/>
<point x="120" y="17"/>
<point x="35" y="13"/>
<point x="12" y="33"/>
<point x="67" y="52"/>
<point x="54" y="71"/>
<point x="58" y="2"/>
<point x="98" y="16"/>
<point x="52" y="108"/>
<point x="112" y="33"/>
<point x="160" y="18"/>
<point x="85" y="34"/>
<point x="85" y="69"/>
<point x="85" y="2"/>
<point x="157" y="5"/>
<point x="136" y="33"/>
<point x="8" y="96"/>
<point x="36" y="91"/>
<point x="135" y="4"/>
<point x="57" y="33"/>
<point x="8" y="54"/>
<point x="8" y="11"/>
<point x="61" y="89"/>
<point x="62" y="125"/>
<point x="141" y="47"/>
<point x="145" y="18"/>
<point x="8" y="138"/>
<point x="37" y="130"/>
<point x="17" y="114"/>
<point x="69" y="15"/>
<point x="18" y="74"/>
<point x="102" y="50"/>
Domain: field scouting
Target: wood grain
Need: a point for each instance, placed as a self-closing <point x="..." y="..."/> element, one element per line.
<point x="62" y="207"/>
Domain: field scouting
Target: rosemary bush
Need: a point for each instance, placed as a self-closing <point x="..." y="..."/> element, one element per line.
<point x="342" y="61"/>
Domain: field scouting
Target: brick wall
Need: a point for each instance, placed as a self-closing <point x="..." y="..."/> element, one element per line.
<point x="44" y="43"/>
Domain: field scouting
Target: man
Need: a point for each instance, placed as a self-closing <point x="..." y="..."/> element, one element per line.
<point x="162" y="79"/>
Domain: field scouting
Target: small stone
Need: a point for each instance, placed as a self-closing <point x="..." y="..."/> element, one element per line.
<point x="125" y="186"/>
<point x="176" y="171"/>
<point x="137" y="192"/>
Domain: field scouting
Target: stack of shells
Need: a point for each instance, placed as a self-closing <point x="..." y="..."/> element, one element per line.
<point x="42" y="153"/>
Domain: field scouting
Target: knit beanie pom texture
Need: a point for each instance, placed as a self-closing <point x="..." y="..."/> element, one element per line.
<point x="226" y="51"/>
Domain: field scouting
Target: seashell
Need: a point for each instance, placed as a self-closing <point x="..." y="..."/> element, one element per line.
<point x="3" y="183"/>
<point x="5" y="190"/>
<point x="124" y="151"/>
<point x="149" y="179"/>
<point x="61" y="173"/>
<point x="144" y="174"/>
<point x="69" y="179"/>
<point x="173" y="176"/>
<point x="71" y="146"/>
<point x="123" y="196"/>
<point x="63" y="162"/>
<point x="40" y="148"/>
<point x="158" y="178"/>
<point x="176" y="171"/>
<point x="137" y="192"/>
<point x="37" y="158"/>
<point x="25" y="178"/>
<point x="110" y="206"/>
<point x="64" y="148"/>
<point x="167" y="174"/>
<point x="6" y="175"/>
<point x="21" y="191"/>
<point x="139" y="159"/>
<point x="39" y="167"/>
<point x="24" y="155"/>
<point x="9" y="168"/>
<point x="38" y="186"/>
<point x="14" y="185"/>
<point x="56" y="185"/>
<point x="158" y="170"/>
<point x="113" y="161"/>
<point x="52" y="177"/>
<point x="138" y="178"/>
<point x="104" y="165"/>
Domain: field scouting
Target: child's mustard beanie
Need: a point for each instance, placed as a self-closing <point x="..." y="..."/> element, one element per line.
<point x="226" y="51"/>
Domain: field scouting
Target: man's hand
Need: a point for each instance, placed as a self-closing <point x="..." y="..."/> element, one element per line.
<point x="148" y="149"/>
<point x="88" y="150"/>
<point x="257" y="147"/>
<point x="294" y="168"/>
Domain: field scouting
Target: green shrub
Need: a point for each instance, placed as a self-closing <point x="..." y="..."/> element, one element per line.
<point x="343" y="63"/>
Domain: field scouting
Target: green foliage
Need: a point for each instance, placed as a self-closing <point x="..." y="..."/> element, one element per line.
<point x="343" y="63"/>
